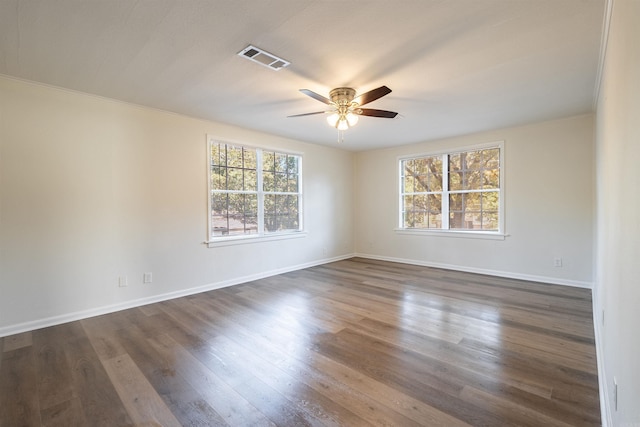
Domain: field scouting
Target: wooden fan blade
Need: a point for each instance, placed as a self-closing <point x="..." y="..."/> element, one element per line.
<point x="372" y="95"/>
<point x="308" y="114"/>
<point x="378" y="113"/>
<point x="317" y="96"/>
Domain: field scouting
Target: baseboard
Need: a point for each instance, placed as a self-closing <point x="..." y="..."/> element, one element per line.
<point x="605" y="409"/>
<point x="84" y="314"/>
<point x="498" y="273"/>
<point x="79" y="315"/>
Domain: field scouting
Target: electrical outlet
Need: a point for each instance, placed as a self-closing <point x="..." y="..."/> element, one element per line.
<point x="122" y="281"/>
<point x="615" y="394"/>
<point x="557" y="262"/>
<point x="147" y="278"/>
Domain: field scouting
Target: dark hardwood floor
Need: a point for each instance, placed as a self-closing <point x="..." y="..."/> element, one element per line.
<point x="351" y="343"/>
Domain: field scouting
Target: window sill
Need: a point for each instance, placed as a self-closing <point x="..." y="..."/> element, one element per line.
<point x="488" y="235"/>
<point x="243" y="240"/>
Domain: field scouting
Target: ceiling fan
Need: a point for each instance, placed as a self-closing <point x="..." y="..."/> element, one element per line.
<point x="346" y="107"/>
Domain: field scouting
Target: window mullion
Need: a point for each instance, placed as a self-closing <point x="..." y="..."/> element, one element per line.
<point x="445" y="192"/>
<point x="401" y="190"/>
<point x="260" y="192"/>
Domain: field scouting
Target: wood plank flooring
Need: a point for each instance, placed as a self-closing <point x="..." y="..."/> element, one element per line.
<point x="351" y="343"/>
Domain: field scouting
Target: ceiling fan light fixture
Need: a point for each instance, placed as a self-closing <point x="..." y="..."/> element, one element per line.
<point x="352" y="118"/>
<point x="343" y="124"/>
<point x="332" y="119"/>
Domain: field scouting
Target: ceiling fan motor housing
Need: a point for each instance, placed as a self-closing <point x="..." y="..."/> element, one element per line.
<point x="342" y="95"/>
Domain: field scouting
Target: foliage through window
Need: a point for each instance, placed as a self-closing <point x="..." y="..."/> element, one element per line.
<point x="253" y="191"/>
<point x="452" y="191"/>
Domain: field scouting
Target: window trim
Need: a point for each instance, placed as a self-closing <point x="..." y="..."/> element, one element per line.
<point x="261" y="236"/>
<point x="499" y="234"/>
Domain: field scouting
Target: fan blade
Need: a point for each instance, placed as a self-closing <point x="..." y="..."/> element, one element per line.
<point x="372" y="95"/>
<point x="308" y="114"/>
<point x="378" y="113"/>
<point x="316" y="96"/>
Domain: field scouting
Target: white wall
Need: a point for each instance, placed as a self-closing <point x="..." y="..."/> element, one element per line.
<point x="549" y="208"/>
<point x="617" y="290"/>
<point x="92" y="189"/>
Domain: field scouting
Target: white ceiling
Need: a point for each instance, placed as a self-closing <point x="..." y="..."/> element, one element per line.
<point x="455" y="66"/>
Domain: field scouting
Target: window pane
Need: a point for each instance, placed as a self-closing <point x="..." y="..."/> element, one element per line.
<point x="268" y="181"/>
<point x="219" y="208"/>
<point x="473" y="220"/>
<point x="215" y="154"/>
<point x="219" y="225"/>
<point x="473" y="180"/>
<point x="292" y="221"/>
<point x="249" y="158"/>
<point x="251" y="213"/>
<point x="270" y="204"/>
<point x="433" y="218"/>
<point x="218" y="154"/>
<point x="421" y="175"/>
<point x="434" y="165"/>
<point x="281" y="212"/>
<point x="282" y="182"/>
<point x="270" y="218"/>
<point x="465" y="211"/>
<point x="293" y="183"/>
<point x="422" y="211"/>
<point x="234" y="179"/>
<point x="250" y="180"/>
<point x="491" y="158"/>
<point x="292" y="164"/>
<point x="421" y="166"/>
<point x="241" y="219"/>
<point x="219" y="204"/>
<point x="408" y="203"/>
<point x="491" y="178"/>
<point x="473" y="202"/>
<point x="420" y="202"/>
<point x="490" y="201"/>
<point x="490" y="220"/>
<point x="234" y="156"/>
<point x="407" y="219"/>
<point x="407" y="184"/>
<point x="421" y="183"/>
<point x="280" y="162"/>
<point x="218" y="178"/>
<point x="455" y="181"/>
<point x="472" y="159"/>
<point x="407" y="167"/>
<point x="268" y="161"/>
<point x="456" y="211"/>
<point x="474" y="211"/>
<point x="454" y="162"/>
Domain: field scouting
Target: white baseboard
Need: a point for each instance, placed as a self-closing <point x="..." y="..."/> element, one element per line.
<point x="69" y="317"/>
<point x="84" y="314"/>
<point x="605" y="409"/>
<point x="498" y="273"/>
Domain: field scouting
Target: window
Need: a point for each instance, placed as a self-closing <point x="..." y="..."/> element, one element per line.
<point x="457" y="191"/>
<point x="253" y="192"/>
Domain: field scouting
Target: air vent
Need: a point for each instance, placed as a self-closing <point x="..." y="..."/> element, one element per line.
<point x="262" y="57"/>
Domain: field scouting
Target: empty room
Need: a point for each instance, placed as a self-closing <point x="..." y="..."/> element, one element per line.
<point x="319" y="213"/>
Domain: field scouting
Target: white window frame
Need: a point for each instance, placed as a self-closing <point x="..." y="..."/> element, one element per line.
<point x="447" y="232"/>
<point x="261" y="235"/>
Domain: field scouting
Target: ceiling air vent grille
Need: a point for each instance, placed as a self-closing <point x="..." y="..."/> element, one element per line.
<point x="262" y="57"/>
